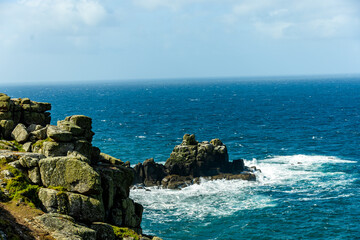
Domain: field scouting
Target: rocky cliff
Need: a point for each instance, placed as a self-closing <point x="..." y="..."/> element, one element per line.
<point x="83" y="193"/>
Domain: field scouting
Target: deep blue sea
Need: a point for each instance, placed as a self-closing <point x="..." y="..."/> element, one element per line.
<point x="303" y="133"/>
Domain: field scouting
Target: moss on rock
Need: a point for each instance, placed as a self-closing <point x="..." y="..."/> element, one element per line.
<point x="121" y="233"/>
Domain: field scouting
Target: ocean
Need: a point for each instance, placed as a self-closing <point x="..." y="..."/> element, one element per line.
<point x="303" y="133"/>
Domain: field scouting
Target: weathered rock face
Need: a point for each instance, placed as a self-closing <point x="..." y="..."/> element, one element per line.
<point x="76" y="179"/>
<point x="25" y="111"/>
<point x="64" y="227"/>
<point x="70" y="173"/>
<point x="191" y="158"/>
<point x="82" y="208"/>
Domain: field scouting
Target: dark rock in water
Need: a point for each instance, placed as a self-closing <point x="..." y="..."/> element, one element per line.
<point x="199" y="159"/>
<point x="176" y="181"/>
<point x="243" y="176"/>
<point x="189" y="161"/>
<point x="149" y="173"/>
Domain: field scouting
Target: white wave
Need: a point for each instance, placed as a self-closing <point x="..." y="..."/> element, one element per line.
<point x="301" y="176"/>
<point x="210" y="198"/>
<point x="290" y="169"/>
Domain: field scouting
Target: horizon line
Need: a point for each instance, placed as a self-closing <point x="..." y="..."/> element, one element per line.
<point x="175" y="80"/>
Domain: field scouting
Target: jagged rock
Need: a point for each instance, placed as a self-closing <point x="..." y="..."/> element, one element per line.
<point x="198" y="159"/>
<point x="20" y="133"/>
<point x="72" y="174"/>
<point x="149" y="173"/>
<point x="52" y="149"/>
<point x="58" y="134"/>
<point x="103" y="231"/>
<point x="27" y="146"/>
<point x="64" y="227"/>
<point x="106" y="158"/>
<point x="82" y="208"/>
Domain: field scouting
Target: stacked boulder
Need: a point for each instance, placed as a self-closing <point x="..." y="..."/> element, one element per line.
<point x="21" y="111"/>
<point x="189" y="161"/>
<point x="74" y="177"/>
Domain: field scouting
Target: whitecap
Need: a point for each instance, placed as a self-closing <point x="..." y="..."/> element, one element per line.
<point x="141" y="137"/>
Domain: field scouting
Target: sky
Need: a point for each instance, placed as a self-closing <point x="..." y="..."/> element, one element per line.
<point x="87" y="40"/>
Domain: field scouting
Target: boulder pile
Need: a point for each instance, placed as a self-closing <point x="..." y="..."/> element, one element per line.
<point x="188" y="162"/>
<point x="21" y="110"/>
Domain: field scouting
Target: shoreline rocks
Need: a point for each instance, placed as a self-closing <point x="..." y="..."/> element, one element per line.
<point x="189" y="162"/>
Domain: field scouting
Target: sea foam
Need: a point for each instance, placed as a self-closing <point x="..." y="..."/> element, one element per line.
<point x="302" y="175"/>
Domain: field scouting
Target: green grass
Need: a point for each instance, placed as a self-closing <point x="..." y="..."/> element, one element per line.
<point x="121" y="232"/>
<point x="20" y="187"/>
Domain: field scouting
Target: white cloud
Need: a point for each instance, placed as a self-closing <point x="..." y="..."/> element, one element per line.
<point x="28" y="18"/>
<point x="297" y="19"/>
<point x="274" y="29"/>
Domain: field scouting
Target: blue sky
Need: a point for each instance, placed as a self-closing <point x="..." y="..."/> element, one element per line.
<point x="87" y="40"/>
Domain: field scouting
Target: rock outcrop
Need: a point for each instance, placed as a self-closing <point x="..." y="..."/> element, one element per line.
<point x="59" y="170"/>
<point x="188" y="162"/>
<point x="24" y="111"/>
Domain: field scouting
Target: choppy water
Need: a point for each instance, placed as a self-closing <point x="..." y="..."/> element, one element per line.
<point x="303" y="135"/>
